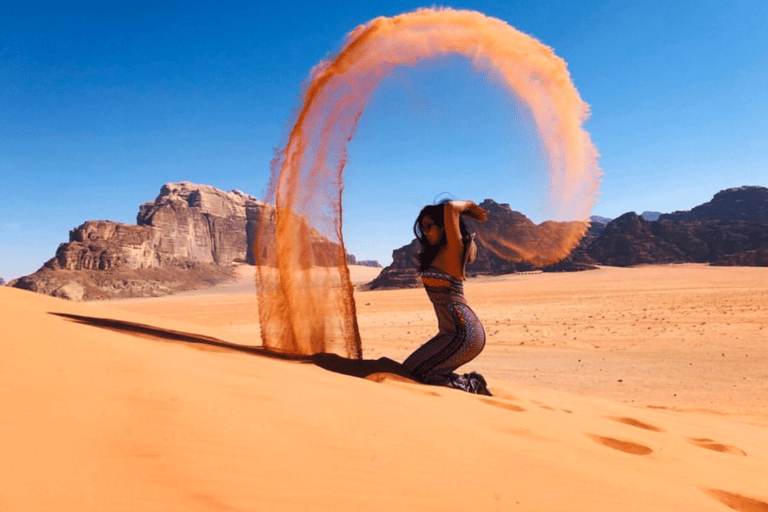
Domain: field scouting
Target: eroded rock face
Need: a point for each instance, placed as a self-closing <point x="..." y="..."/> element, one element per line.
<point x="188" y="229"/>
<point x="747" y="204"/>
<point x="732" y="229"/>
<point x="185" y="224"/>
<point x="756" y="258"/>
<point x="201" y="223"/>
<point x="630" y="240"/>
<point x="403" y="273"/>
<point x="105" y="245"/>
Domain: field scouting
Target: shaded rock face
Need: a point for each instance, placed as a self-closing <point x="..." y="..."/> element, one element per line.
<point x="185" y="224"/>
<point x="201" y="223"/>
<point x="352" y="260"/>
<point x="121" y="283"/>
<point x="630" y="240"/>
<point x="104" y="245"/>
<point x="749" y="204"/>
<point x="756" y="258"/>
<point x="732" y="229"/>
<point x="403" y="272"/>
<point x="189" y="228"/>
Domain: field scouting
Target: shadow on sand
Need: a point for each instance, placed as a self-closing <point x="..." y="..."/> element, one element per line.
<point x="365" y="368"/>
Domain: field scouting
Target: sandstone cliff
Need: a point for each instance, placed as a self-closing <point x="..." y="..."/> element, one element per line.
<point x="748" y="204"/>
<point x="403" y="273"/>
<point x="631" y="240"/>
<point x="187" y="237"/>
<point x="731" y="229"/>
<point x="191" y="234"/>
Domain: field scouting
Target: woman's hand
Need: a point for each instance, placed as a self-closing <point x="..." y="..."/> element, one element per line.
<point x="470" y="209"/>
<point x="475" y="212"/>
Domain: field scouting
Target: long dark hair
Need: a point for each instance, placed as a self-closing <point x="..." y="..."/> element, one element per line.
<point x="428" y="251"/>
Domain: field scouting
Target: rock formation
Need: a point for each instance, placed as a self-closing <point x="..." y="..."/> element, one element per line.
<point x="352" y="260"/>
<point x="630" y="240"/>
<point x="651" y="216"/>
<point x="402" y="273"/>
<point x="732" y="229"/>
<point x="185" y="224"/>
<point x="188" y="236"/>
<point x="596" y="219"/>
<point x="748" y="204"/>
<point x="200" y="223"/>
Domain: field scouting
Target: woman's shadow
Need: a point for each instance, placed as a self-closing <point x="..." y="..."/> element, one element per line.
<point x="377" y="369"/>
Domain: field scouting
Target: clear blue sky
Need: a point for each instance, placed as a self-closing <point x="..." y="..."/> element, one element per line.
<point x="102" y="103"/>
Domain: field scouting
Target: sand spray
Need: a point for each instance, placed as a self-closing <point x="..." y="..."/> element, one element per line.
<point x="306" y="303"/>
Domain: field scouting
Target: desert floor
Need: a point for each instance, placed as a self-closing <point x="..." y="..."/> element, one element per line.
<point x="614" y="389"/>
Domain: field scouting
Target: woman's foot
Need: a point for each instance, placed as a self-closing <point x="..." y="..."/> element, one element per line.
<point x="470" y="382"/>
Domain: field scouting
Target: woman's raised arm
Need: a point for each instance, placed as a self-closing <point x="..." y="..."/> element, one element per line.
<point x="455" y="249"/>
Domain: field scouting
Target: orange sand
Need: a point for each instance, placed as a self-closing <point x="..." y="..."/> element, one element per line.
<point x="617" y="389"/>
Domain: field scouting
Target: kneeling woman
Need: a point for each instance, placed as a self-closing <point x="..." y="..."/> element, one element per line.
<point x="446" y="248"/>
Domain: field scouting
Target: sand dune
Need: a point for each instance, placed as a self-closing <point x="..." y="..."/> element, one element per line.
<point x="618" y="389"/>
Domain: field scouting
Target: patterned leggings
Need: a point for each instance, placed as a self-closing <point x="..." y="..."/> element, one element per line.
<point x="436" y="360"/>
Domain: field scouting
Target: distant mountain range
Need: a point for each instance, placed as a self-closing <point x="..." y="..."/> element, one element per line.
<point x="731" y="229"/>
<point x="649" y="216"/>
<point x="191" y="235"/>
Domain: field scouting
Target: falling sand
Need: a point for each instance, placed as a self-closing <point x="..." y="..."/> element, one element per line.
<point x="306" y="304"/>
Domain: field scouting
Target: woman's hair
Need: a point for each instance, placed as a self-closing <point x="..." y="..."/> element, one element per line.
<point x="428" y="251"/>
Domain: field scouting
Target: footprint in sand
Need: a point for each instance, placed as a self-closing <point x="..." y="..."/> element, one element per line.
<point x="542" y="405"/>
<point x="402" y="382"/>
<point x="709" y="444"/>
<point x="737" y="501"/>
<point x="622" y="446"/>
<point x="503" y="405"/>
<point x="637" y="423"/>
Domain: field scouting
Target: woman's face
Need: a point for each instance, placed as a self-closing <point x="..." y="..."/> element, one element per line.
<point x="432" y="231"/>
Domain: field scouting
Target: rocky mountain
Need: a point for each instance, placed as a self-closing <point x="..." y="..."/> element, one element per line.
<point x="732" y="229"/>
<point x="749" y="204"/>
<point x="631" y="240"/>
<point x="189" y="235"/>
<point x="352" y="260"/>
<point x="402" y="273"/>
<point x="646" y="215"/>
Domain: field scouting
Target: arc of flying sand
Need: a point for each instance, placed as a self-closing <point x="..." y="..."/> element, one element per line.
<point x="307" y="180"/>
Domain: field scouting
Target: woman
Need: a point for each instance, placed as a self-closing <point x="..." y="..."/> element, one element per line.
<point x="446" y="247"/>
